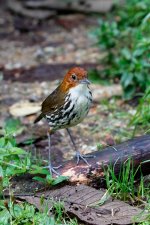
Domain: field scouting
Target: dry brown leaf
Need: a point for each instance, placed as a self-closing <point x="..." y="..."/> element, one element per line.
<point x="82" y="200"/>
<point x="24" y="108"/>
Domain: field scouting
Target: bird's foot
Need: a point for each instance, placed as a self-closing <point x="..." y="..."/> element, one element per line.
<point x="53" y="170"/>
<point x="82" y="157"/>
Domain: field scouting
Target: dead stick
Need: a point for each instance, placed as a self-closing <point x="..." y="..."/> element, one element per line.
<point x="138" y="149"/>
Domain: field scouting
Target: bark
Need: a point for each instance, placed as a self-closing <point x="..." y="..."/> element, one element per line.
<point x="138" y="149"/>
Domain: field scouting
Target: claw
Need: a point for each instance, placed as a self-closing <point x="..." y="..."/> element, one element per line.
<point x="79" y="156"/>
<point x="53" y="169"/>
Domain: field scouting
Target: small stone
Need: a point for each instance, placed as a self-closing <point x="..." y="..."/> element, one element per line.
<point x="49" y="49"/>
<point x="39" y="53"/>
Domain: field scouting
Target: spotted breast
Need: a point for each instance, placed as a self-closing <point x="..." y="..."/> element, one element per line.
<point x="75" y="108"/>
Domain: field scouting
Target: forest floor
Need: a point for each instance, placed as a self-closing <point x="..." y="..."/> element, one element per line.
<point x="33" y="59"/>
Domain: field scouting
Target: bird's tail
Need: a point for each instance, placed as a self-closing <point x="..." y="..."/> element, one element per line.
<point x="38" y="118"/>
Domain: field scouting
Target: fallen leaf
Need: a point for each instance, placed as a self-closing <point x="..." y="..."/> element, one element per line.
<point x="24" y="108"/>
<point x="83" y="202"/>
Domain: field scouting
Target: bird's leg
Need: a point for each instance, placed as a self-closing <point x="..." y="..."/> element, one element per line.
<point x="78" y="154"/>
<point x="50" y="167"/>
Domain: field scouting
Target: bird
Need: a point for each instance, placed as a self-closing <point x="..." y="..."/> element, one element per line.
<point x="66" y="107"/>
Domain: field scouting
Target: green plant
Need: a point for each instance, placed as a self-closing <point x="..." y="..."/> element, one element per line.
<point x="58" y="210"/>
<point x="49" y="180"/>
<point x="142" y="115"/>
<point x="60" y="214"/>
<point x="19" y="213"/>
<point x="22" y="214"/>
<point x="99" y="146"/>
<point x="15" y="161"/>
<point x="125" y="37"/>
<point x="123" y="186"/>
<point x="146" y="218"/>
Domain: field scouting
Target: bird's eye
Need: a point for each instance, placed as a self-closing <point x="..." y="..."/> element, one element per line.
<point x="74" y="77"/>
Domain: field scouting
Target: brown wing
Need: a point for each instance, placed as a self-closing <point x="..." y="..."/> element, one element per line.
<point x="51" y="103"/>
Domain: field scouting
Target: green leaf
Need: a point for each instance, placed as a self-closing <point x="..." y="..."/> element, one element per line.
<point x="129" y="91"/>
<point x="126" y="79"/>
<point x="10" y="142"/>
<point x="43" y="180"/>
<point x="2" y="142"/>
<point x="3" y="151"/>
<point x="17" y="151"/>
<point x="49" y="179"/>
<point x="4" y="217"/>
<point x="60" y="179"/>
<point x="138" y="52"/>
<point x="14" y="170"/>
<point x="13" y="126"/>
<point x="140" y="77"/>
<point x="126" y="53"/>
<point x="39" y="170"/>
<point x="1" y="172"/>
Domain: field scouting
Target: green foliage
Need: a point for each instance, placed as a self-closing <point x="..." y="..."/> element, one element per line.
<point x="22" y="214"/>
<point x="142" y="115"/>
<point x="147" y="212"/>
<point x="125" y="37"/>
<point x="13" y="160"/>
<point x="49" y="180"/>
<point x="16" y="161"/>
<point x="60" y="215"/>
<point x="13" y="126"/>
<point x="123" y="186"/>
<point x="25" y="214"/>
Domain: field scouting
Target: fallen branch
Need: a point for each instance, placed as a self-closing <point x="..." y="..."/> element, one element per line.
<point x="138" y="149"/>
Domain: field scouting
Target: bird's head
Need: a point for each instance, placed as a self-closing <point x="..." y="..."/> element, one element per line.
<point x="74" y="77"/>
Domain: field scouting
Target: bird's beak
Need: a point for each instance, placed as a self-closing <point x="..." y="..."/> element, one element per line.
<point x="85" y="81"/>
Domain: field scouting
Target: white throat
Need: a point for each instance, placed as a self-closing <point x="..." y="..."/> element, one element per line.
<point x="79" y="90"/>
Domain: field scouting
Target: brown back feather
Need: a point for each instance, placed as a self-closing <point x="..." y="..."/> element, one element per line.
<point x="54" y="101"/>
